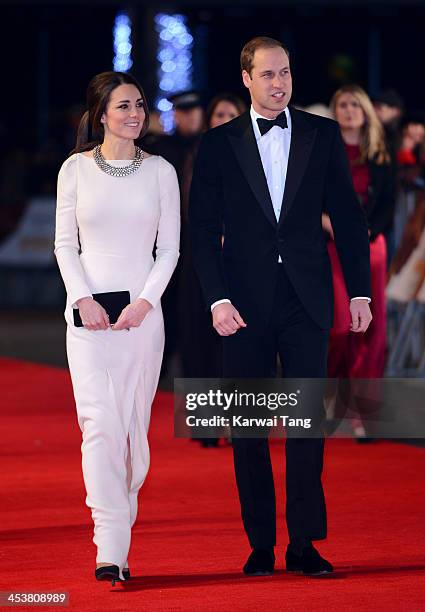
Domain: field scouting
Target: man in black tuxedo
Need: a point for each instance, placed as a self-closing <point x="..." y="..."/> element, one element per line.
<point x="266" y="177"/>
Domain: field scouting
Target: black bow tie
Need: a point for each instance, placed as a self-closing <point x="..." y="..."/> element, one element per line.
<point x="266" y="124"/>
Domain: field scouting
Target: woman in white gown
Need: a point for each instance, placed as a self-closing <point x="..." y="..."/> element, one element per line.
<point x="114" y="203"/>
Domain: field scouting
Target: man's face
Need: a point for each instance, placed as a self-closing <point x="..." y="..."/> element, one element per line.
<point x="270" y="82"/>
<point x="189" y="121"/>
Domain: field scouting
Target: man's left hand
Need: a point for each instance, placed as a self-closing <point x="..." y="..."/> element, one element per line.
<point x="360" y="315"/>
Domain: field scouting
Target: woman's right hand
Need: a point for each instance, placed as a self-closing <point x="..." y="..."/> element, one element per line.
<point x="93" y="315"/>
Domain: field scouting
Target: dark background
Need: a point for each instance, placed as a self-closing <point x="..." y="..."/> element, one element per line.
<point x="50" y="51"/>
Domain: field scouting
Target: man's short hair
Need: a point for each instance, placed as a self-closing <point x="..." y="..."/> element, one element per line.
<point x="259" y="42"/>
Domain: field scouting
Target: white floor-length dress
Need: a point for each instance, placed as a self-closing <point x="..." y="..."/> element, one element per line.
<point x="106" y="229"/>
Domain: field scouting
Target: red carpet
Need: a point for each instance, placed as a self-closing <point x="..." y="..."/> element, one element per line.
<point x="188" y="545"/>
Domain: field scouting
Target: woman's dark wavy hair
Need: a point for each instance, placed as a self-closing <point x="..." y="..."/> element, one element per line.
<point x="90" y="130"/>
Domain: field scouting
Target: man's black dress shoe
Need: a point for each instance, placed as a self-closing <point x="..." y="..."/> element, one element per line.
<point x="260" y="562"/>
<point x="310" y="563"/>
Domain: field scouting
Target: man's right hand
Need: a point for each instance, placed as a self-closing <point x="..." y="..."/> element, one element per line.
<point x="226" y="319"/>
<point x="93" y="315"/>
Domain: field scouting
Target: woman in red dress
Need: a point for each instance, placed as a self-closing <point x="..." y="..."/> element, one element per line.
<point x="362" y="355"/>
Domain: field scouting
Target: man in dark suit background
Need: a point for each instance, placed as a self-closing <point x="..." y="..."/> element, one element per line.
<point x="266" y="177"/>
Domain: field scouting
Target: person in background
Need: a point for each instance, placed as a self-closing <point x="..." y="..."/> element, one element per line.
<point x="390" y="109"/>
<point x="176" y="148"/>
<point x="362" y="355"/>
<point x="189" y="124"/>
<point x="200" y="345"/>
<point x="223" y="108"/>
<point x="412" y="141"/>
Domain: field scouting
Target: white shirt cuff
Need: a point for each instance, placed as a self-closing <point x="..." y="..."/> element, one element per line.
<point x="361" y="298"/>
<point x="225" y="301"/>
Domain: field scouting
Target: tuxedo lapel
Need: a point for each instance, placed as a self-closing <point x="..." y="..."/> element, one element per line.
<point x="245" y="147"/>
<point x="302" y="141"/>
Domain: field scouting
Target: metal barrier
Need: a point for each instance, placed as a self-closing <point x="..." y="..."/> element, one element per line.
<point x="406" y="301"/>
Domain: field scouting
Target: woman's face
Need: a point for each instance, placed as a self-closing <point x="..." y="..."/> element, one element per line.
<point x="223" y="112"/>
<point x="348" y="112"/>
<point x="124" y="115"/>
<point x="415" y="131"/>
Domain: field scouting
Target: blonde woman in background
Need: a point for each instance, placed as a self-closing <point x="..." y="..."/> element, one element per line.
<point x="362" y="355"/>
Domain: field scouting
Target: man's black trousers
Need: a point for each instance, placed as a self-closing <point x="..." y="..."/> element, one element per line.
<point x="252" y="353"/>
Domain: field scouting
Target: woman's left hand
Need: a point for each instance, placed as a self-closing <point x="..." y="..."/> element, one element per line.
<point x="132" y="315"/>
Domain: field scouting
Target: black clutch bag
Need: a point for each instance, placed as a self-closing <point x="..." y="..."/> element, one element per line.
<point x="112" y="301"/>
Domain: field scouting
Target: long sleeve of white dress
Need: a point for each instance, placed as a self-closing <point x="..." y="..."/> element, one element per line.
<point x="168" y="237"/>
<point x="67" y="246"/>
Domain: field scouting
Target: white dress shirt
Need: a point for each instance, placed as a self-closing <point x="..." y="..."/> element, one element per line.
<point x="274" y="152"/>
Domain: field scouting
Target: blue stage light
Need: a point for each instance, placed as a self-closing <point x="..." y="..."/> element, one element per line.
<point x="175" y="61"/>
<point x="122" y="43"/>
<point x="164" y="105"/>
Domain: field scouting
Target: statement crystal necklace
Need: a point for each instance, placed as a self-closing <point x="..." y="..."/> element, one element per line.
<point x="118" y="170"/>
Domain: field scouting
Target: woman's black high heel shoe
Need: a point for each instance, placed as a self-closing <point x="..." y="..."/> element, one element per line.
<point x="126" y="573"/>
<point x="108" y="572"/>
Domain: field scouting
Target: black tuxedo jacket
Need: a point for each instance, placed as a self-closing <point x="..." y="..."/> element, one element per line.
<point x="230" y="196"/>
